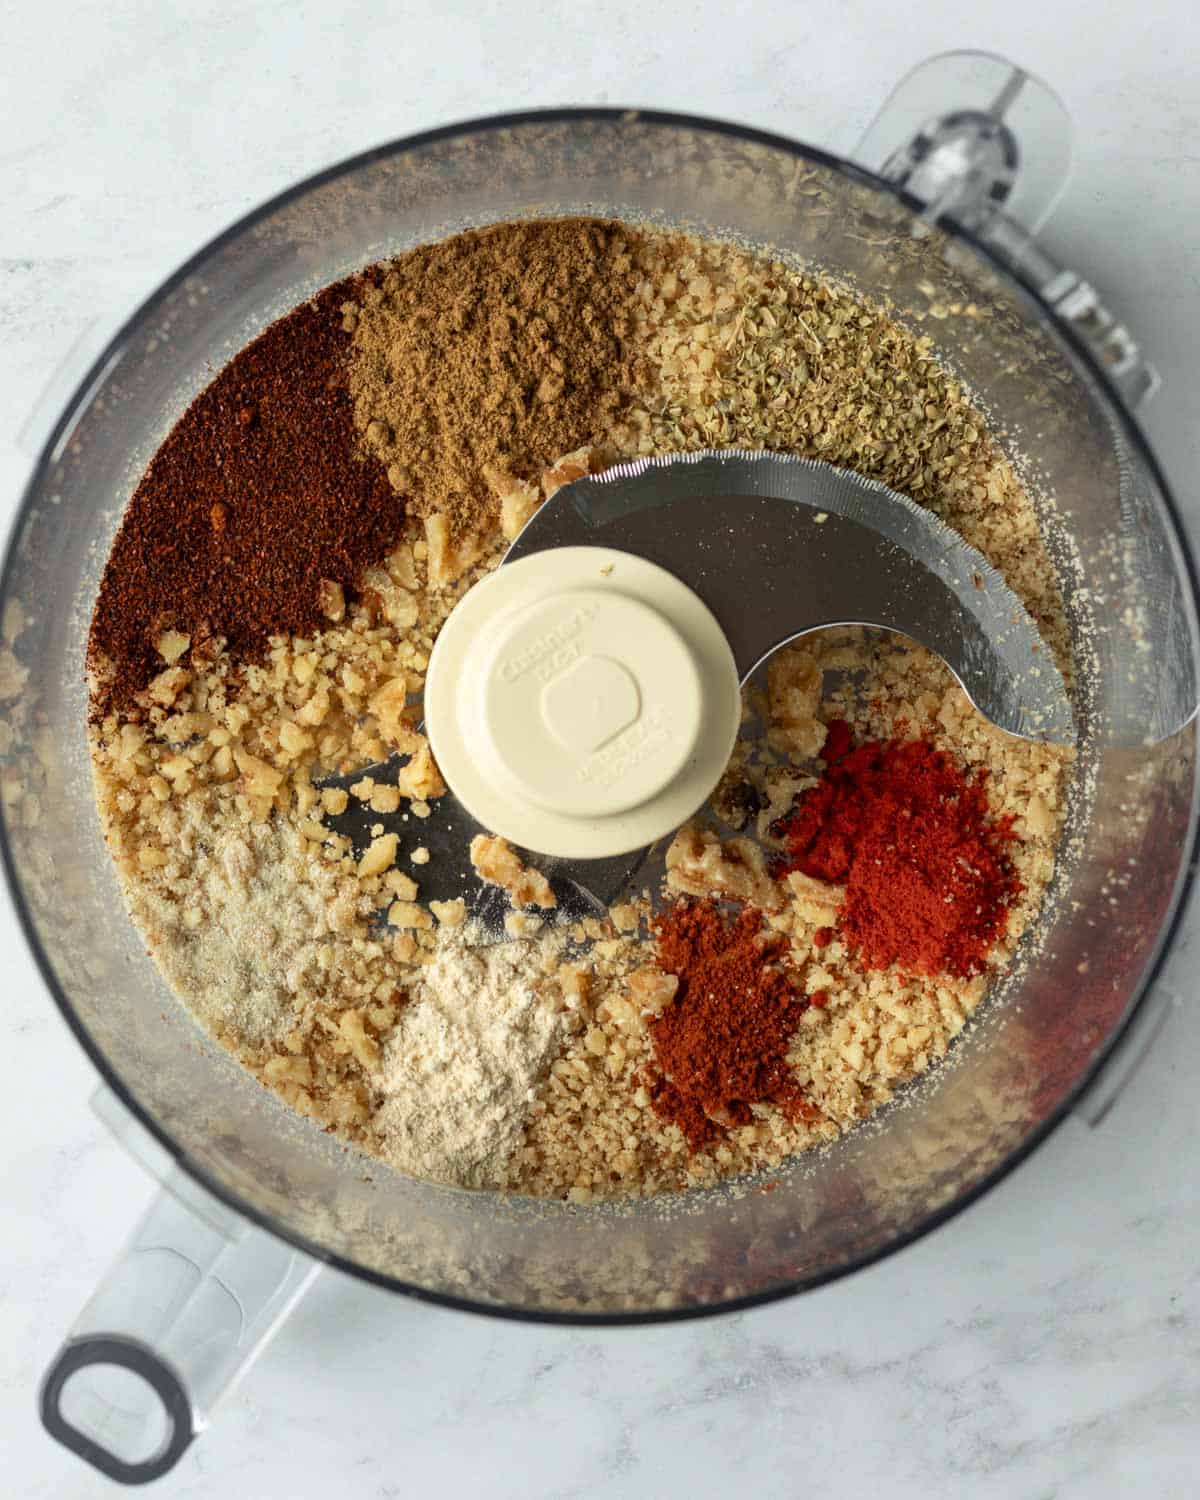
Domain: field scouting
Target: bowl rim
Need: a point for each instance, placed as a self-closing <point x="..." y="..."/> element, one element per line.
<point x="1126" y="424"/>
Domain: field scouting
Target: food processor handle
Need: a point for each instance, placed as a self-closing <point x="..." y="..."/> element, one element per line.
<point x="980" y="143"/>
<point x="194" y="1297"/>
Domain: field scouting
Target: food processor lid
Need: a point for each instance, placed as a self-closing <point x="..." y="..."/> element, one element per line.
<point x="583" y="699"/>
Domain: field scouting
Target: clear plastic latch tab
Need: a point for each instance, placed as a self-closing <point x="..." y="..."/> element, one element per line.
<point x="979" y="144"/>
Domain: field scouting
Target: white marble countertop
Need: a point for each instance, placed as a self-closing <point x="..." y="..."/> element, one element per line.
<point x="1046" y="1344"/>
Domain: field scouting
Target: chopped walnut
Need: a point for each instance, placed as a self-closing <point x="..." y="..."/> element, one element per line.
<point x="402" y="566"/>
<point x="782" y="785"/>
<point x="168" y="685"/>
<point x="576" y="984"/>
<point x="737" y="800"/>
<point x="390" y="706"/>
<point x="385" y="799"/>
<point x="625" y="916"/>
<point x="651" y="990"/>
<point x="815" y="900"/>
<point x="354" y="1034"/>
<point x="401" y="885"/>
<point x="410" y="915"/>
<point x="261" y="780"/>
<point x="331" y="600"/>
<point x="1039" y="820"/>
<point x="382" y="595"/>
<point x="793" y="697"/>
<point x="171" y="645"/>
<point x="570" y="467"/>
<point x="293" y="740"/>
<point x="449" y="556"/>
<point x="286" y="1069"/>
<point x="699" y="864"/>
<point x="420" y="778"/>
<point x="498" y="863"/>
<point x="518" y="499"/>
<point x="379" y="856"/>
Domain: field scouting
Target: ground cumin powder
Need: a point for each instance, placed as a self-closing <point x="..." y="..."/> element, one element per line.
<point x="493" y="352"/>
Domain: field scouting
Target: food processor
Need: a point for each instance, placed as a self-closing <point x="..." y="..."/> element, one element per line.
<point x="937" y="217"/>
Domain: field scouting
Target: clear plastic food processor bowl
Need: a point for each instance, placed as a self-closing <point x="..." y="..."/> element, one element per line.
<point x="202" y="1285"/>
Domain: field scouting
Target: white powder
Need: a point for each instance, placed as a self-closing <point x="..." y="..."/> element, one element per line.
<point x="239" y="932"/>
<point x="461" y="1067"/>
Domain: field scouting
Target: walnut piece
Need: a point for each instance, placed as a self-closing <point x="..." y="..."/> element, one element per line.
<point x="498" y="863"/>
<point x="699" y="864"/>
<point x="171" y="645"/>
<point x="651" y="990"/>
<point x="518" y="499"/>
<point x="576" y="984"/>
<point x="380" y="855"/>
<point x="420" y="779"/>
<point x="449" y="556"/>
<point x="354" y="1034"/>
<point x="567" y="469"/>
<point x="793" y="697"/>
<point x="389" y="704"/>
<point x="815" y="900"/>
<point x="409" y="914"/>
<point x="261" y="780"/>
<point x="168" y="685"/>
<point x="331" y="600"/>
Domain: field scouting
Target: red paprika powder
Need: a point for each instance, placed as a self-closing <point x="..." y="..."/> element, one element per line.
<point x="929" y="882"/>
<point x="721" y="1044"/>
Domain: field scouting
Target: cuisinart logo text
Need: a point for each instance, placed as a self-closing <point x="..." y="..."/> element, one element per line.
<point x="550" y="652"/>
<point x="640" y="741"/>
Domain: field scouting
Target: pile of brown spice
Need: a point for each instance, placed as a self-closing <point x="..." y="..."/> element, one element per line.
<point x="492" y="354"/>
<point x="256" y="498"/>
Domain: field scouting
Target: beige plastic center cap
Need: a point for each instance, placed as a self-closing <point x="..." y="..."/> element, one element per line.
<point x="582" y="702"/>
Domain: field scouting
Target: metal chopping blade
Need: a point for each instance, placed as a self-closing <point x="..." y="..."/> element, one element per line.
<point x="777" y="547"/>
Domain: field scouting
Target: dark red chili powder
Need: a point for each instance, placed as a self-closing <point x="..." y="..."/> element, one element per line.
<point x="255" y="497"/>
<point x="929" y="884"/>
<point x="838" y="740"/>
<point x="721" y="1044"/>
